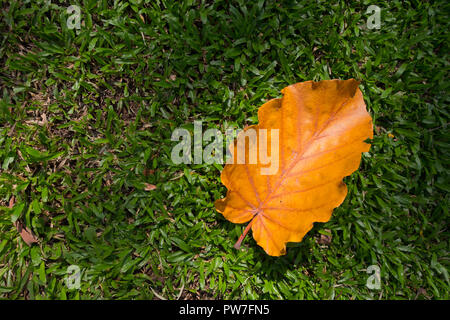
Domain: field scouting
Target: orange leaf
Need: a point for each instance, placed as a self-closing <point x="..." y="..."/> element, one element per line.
<point x="322" y="127"/>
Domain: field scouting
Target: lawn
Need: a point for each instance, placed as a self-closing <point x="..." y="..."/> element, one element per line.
<point x="86" y="117"/>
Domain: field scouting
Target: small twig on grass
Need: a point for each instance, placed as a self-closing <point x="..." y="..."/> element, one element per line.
<point x="181" y="291"/>
<point x="157" y="295"/>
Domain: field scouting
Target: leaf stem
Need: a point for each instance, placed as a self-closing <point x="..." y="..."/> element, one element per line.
<point x="237" y="245"/>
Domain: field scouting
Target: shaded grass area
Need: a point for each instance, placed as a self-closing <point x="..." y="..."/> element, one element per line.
<point x="86" y="117"/>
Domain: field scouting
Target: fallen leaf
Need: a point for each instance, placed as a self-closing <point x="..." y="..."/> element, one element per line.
<point x="11" y="202"/>
<point x="325" y="239"/>
<point x="149" y="187"/>
<point x="148" y="172"/>
<point x="25" y="233"/>
<point x="322" y="128"/>
<point x="422" y="291"/>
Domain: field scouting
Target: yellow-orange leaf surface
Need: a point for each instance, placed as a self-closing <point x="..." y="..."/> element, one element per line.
<point x="322" y="128"/>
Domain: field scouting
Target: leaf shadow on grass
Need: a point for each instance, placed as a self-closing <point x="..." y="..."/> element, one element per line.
<point x="275" y="268"/>
<point x="297" y="257"/>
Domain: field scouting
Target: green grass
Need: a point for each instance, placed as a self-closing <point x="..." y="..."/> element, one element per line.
<point x="86" y="118"/>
